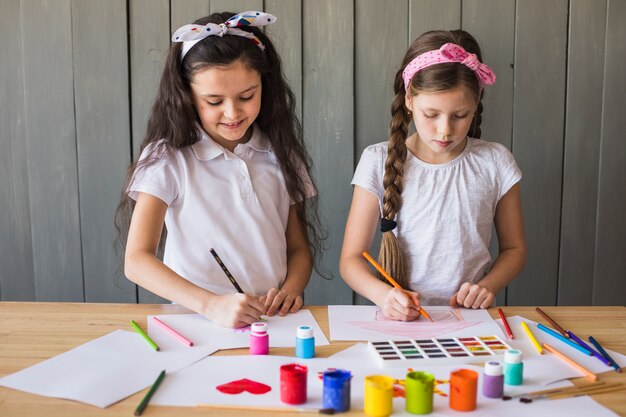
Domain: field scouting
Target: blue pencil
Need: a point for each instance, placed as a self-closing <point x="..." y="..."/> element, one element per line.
<point x="586" y="346"/>
<point x="563" y="339"/>
<point x="605" y="354"/>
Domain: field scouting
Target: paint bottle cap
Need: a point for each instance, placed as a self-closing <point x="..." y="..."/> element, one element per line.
<point x="493" y="368"/>
<point x="259" y="328"/>
<point x="513" y="356"/>
<point x="304" y="332"/>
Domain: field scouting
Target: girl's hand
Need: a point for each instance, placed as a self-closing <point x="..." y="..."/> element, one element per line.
<point x="401" y="305"/>
<point x="281" y="301"/>
<point x="234" y="310"/>
<point x="472" y="296"/>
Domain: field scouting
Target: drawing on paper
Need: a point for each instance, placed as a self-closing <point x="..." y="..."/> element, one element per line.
<point x="445" y="320"/>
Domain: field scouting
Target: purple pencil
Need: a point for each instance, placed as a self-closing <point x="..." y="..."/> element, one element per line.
<point x="586" y="346"/>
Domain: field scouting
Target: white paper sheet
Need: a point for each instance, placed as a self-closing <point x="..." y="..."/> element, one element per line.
<point x="197" y="383"/>
<point x="104" y="370"/>
<point x="203" y="332"/>
<point x="368" y="323"/>
<point x="548" y="368"/>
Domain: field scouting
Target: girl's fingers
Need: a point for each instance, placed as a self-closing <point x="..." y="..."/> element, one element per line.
<point x="297" y="305"/>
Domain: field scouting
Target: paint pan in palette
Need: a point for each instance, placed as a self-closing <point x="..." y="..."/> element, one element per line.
<point x="437" y="351"/>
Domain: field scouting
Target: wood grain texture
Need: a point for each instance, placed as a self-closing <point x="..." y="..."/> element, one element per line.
<point x="540" y="59"/>
<point x="610" y="263"/>
<point x="17" y="275"/>
<point x="581" y="159"/>
<point x="328" y="104"/>
<point x="51" y="147"/>
<point x="33" y="332"/>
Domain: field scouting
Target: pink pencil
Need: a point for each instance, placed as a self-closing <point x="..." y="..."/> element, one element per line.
<point x="173" y="332"/>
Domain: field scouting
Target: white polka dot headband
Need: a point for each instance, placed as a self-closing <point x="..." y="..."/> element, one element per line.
<point x="449" y="52"/>
<point x="190" y="35"/>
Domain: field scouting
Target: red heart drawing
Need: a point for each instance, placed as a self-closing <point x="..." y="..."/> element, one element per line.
<point x="241" y="385"/>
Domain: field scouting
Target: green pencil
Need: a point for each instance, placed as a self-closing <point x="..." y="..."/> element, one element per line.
<point x="145" y="336"/>
<point x="142" y="405"/>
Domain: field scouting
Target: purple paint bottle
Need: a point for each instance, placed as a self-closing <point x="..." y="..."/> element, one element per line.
<point x="259" y="339"/>
<point x="493" y="380"/>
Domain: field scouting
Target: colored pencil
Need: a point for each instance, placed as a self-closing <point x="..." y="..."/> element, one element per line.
<point x="506" y="323"/>
<point x="226" y="271"/>
<point x="552" y="322"/>
<point x="144" y="335"/>
<point x="562" y="339"/>
<point x="531" y="336"/>
<point x="391" y="280"/>
<point x="605" y="354"/>
<point x="581" y="342"/>
<point x="572" y="363"/>
<point x="144" y="403"/>
<point x="173" y="332"/>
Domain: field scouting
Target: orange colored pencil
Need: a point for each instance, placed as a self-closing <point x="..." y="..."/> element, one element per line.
<point x="391" y="280"/>
<point x="570" y="362"/>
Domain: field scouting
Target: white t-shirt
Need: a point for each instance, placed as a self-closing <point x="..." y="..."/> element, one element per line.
<point x="446" y="218"/>
<point x="234" y="202"/>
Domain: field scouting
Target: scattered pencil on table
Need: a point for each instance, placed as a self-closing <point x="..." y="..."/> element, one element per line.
<point x="588" y="374"/>
<point x="226" y="271"/>
<point x="144" y="403"/>
<point x="605" y="354"/>
<point x="506" y="323"/>
<point x="390" y="280"/>
<point x="582" y="343"/>
<point x="567" y="341"/>
<point x="172" y="332"/>
<point x="552" y="322"/>
<point x="532" y="338"/>
<point x="144" y="335"/>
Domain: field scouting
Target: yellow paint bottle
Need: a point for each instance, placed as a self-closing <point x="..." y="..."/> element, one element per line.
<point x="378" y="395"/>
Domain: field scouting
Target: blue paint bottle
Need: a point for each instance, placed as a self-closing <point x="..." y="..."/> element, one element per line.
<point x="305" y="342"/>
<point x="336" y="394"/>
<point x="513" y="367"/>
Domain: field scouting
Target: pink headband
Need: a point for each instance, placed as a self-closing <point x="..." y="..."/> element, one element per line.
<point x="449" y="52"/>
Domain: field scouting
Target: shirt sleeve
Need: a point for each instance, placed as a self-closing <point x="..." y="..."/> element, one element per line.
<point x="370" y="170"/>
<point x="508" y="171"/>
<point x="155" y="174"/>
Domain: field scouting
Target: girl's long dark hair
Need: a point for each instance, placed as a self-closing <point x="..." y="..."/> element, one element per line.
<point x="173" y="121"/>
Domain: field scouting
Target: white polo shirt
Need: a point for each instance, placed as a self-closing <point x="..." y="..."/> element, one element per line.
<point x="235" y="202"/>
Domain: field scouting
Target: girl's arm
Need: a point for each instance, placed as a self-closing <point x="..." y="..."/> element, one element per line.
<point x="299" y="266"/>
<point x="511" y="258"/>
<point x="143" y="268"/>
<point x="360" y="230"/>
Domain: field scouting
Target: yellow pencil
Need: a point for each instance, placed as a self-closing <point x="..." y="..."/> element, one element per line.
<point x="531" y="336"/>
<point x="391" y="280"/>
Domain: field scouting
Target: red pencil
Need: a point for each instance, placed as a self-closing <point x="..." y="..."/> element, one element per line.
<point x="506" y="323"/>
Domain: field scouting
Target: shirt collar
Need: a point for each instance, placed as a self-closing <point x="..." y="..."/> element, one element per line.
<point x="207" y="149"/>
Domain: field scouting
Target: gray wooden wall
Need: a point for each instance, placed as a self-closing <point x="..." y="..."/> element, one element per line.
<point x="77" y="78"/>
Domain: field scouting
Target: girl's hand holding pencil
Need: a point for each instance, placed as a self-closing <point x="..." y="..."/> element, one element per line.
<point x="234" y="310"/>
<point x="401" y="305"/>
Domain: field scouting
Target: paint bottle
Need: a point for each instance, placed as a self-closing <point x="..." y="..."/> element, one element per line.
<point x="305" y="342"/>
<point x="463" y="389"/>
<point x="493" y="380"/>
<point x="513" y="367"/>
<point x="419" y="392"/>
<point x="293" y="383"/>
<point x="336" y="394"/>
<point x="259" y="339"/>
<point x="378" y="395"/>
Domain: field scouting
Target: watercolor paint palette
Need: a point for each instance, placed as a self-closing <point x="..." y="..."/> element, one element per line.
<point x="437" y="351"/>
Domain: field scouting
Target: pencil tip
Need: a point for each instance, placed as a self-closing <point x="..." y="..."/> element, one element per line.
<point x="505" y="398"/>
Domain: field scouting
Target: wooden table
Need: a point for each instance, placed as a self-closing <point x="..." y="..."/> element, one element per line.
<point x="33" y="332"/>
